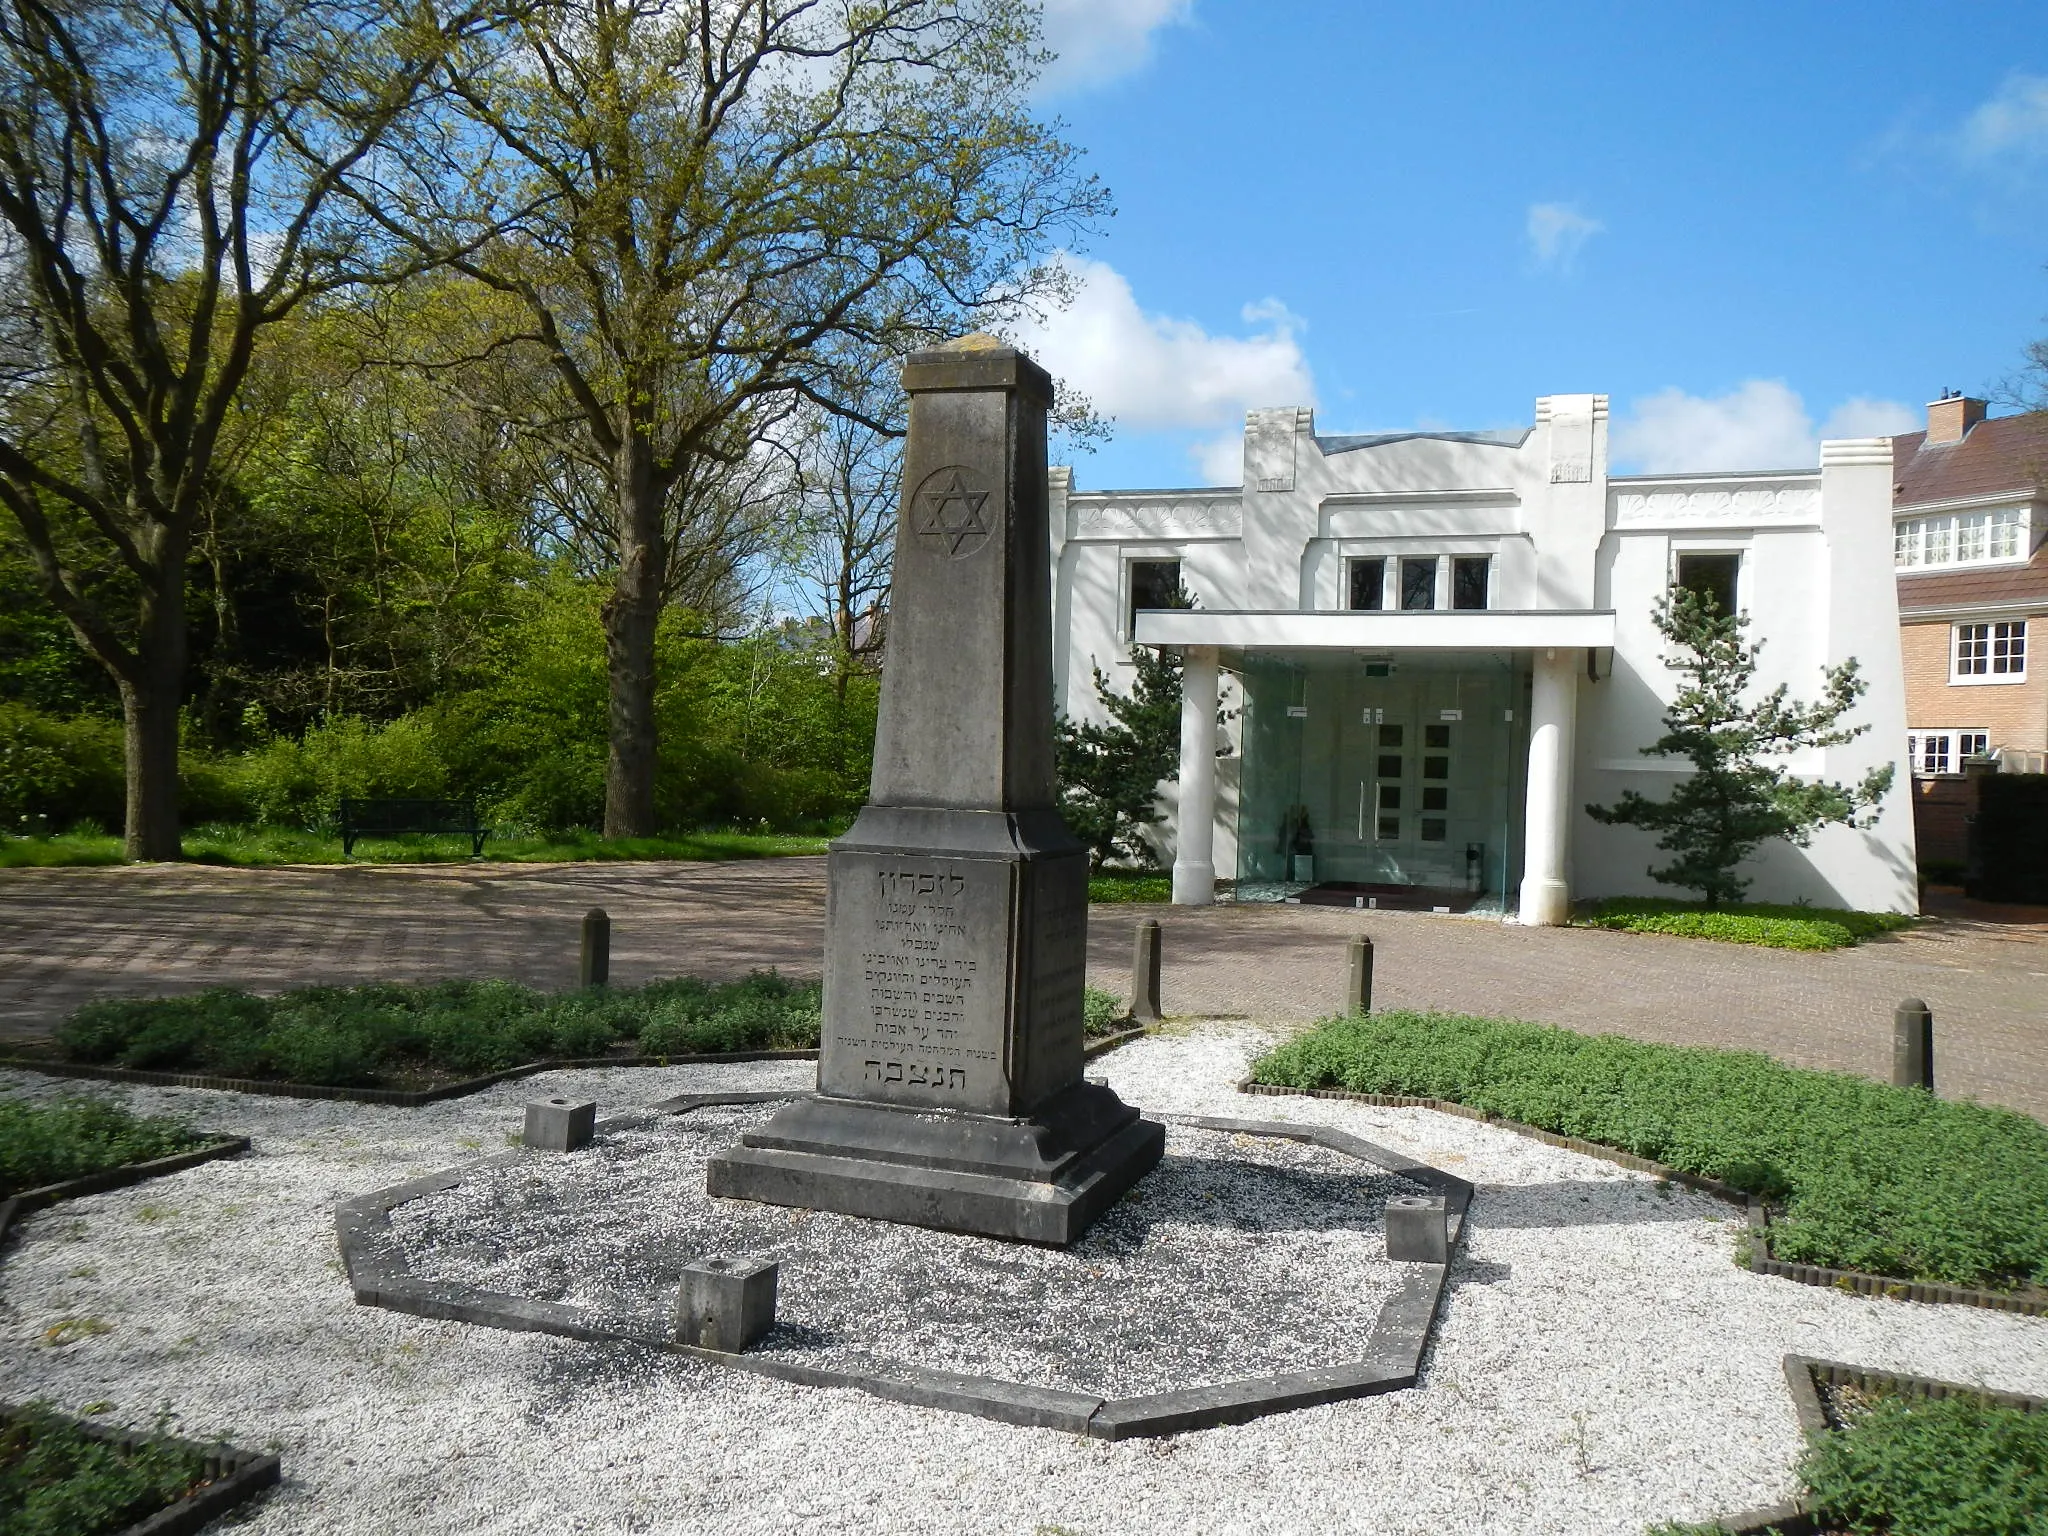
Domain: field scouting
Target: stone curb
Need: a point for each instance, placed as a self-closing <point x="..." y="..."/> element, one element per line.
<point x="1102" y="1045"/>
<point x="18" y="1206"/>
<point x="401" y="1098"/>
<point x="233" y="1477"/>
<point x="380" y="1277"/>
<point x="1805" y="1375"/>
<point x="2031" y="1303"/>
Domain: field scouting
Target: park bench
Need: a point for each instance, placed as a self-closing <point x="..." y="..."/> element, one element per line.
<point x="388" y="818"/>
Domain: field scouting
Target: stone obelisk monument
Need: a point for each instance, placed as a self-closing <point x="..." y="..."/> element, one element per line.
<point x="949" y="1083"/>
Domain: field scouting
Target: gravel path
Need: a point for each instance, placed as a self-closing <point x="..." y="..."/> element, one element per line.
<point x="1600" y="1363"/>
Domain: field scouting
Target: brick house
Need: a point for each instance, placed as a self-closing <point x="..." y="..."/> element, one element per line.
<point x="1969" y="512"/>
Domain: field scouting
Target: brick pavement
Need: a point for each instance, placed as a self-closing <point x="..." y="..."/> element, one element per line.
<point x="71" y="934"/>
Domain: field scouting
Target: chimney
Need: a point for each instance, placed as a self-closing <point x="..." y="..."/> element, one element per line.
<point x="1950" y="417"/>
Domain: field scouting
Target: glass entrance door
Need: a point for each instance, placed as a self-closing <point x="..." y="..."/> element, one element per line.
<point x="1405" y="772"/>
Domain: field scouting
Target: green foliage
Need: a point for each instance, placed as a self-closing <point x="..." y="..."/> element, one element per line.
<point x="1775" y="926"/>
<point x="261" y="847"/>
<point x="386" y="1032"/>
<point x="1869" y="1177"/>
<point x="1102" y="1013"/>
<point x="1955" y="1466"/>
<point x="1739" y="794"/>
<point x="57" y="771"/>
<point x="1114" y="885"/>
<point x="57" y="1481"/>
<point x="67" y="1138"/>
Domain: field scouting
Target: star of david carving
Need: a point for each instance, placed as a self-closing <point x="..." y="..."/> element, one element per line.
<point x="950" y="511"/>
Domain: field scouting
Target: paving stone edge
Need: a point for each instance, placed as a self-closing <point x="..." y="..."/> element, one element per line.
<point x="379" y="1276"/>
<point x="235" y="1476"/>
<point x="2031" y="1303"/>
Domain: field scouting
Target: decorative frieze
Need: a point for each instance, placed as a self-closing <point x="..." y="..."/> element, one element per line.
<point x="1185" y="517"/>
<point x="1737" y="504"/>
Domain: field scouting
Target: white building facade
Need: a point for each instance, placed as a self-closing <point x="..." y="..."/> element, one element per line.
<point x="1432" y="650"/>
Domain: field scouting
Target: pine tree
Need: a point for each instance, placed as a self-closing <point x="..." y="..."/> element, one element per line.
<point x="1109" y="774"/>
<point x="1739" y="795"/>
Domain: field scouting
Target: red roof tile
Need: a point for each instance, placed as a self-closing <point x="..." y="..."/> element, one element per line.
<point x="2006" y="453"/>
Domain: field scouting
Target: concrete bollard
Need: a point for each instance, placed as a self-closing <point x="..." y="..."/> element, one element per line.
<point x="595" y="968"/>
<point x="1358" y="979"/>
<point x="1913" y="1045"/>
<point x="560" y="1125"/>
<point x="1145" y="973"/>
<point x="725" y="1304"/>
<point x="1418" y="1229"/>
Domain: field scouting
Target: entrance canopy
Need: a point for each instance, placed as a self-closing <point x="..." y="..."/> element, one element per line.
<point x="1485" y="629"/>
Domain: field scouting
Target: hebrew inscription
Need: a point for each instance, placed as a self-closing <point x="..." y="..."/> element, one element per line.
<point x="915" y="980"/>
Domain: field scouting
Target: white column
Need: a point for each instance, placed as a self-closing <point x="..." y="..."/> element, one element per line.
<point x="1553" y="715"/>
<point x="1194" y="843"/>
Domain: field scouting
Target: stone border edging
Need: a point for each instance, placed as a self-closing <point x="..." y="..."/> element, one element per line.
<point x="1804" y="1375"/>
<point x="398" y="1097"/>
<point x="1102" y="1045"/>
<point x="15" y="1207"/>
<point x="2030" y="1303"/>
<point x="380" y="1276"/>
<point x="233" y="1475"/>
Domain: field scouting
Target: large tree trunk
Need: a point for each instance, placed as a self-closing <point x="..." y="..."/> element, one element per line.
<point x="630" y="615"/>
<point x="149" y="710"/>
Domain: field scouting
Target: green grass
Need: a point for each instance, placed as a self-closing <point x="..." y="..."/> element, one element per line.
<point x="67" y="1138"/>
<point x="1130" y="885"/>
<point x="1102" y="1012"/>
<point x="1861" y="1175"/>
<point x="264" y="847"/>
<point x="388" y="1034"/>
<point x="1778" y="927"/>
<point x="56" y="1481"/>
<point x="1955" y="1466"/>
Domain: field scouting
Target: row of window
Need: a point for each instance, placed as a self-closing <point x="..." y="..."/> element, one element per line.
<point x="1960" y="538"/>
<point x="1411" y="582"/>
<point x="1930" y="752"/>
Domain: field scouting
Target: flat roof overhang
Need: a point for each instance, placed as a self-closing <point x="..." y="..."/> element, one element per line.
<point x="1490" y="629"/>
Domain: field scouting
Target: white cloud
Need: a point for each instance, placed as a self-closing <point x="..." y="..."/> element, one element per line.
<point x="2012" y="124"/>
<point x="1762" y="424"/>
<point x="1557" y="232"/>
<point x="1100" y="40"/>
<point x="1158" y="373"/>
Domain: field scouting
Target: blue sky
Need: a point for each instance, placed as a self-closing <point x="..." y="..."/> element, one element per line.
<point x="1749" y="225"/>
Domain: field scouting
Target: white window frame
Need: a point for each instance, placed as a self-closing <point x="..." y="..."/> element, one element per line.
<point x="1939" y="752"/>
<point x="1133" y="555"/>
<point x="1913" y="538"/>
<point x="2000" y="638"/>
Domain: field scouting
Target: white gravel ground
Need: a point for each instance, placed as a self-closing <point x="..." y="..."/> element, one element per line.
<point x="1600" y="1363"/>
<point x="1239" y="1256"/>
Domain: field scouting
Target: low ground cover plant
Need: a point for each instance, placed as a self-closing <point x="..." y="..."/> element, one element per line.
<point x="68" y="1138"/>
<point x="387" y="1033"/>
<point x="1103" y="1012"/>
<point x="1859" y="1175"/>
<point x="1778" y="927"/>
<point x="1915" y="1466"/>
<point x="57" y="1481"/>
<point x="1130" y="885"/>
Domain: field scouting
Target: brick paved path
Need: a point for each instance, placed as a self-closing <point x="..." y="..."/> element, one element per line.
<point x="71" y="934"/>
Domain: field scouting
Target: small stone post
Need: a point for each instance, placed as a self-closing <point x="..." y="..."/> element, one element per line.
<point x="596" y="966"/>
<point x="1145" y="973"/>
<point x="1913" y="1045"/>
<point x="1358" y="980"/>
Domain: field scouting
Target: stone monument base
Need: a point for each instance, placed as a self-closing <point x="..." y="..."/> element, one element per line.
<point x="1039" y="1179"/>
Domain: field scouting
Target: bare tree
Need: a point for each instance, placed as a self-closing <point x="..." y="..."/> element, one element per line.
<point x="730" y="196"/>
<point x="168" y="181"/>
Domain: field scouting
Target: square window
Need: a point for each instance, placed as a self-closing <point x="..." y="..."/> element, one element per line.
<point x="1390" y="766"/>
<point x="1390" y="826"/>
<point x="1468" y="580"/>
<point x="1432" y="829"/>
<point x="1390" y="797"/>
<point x="1990" y="652"/>
<point x="1973" y="744"/>
<point x="1390" y="736"/>
<point x="1712" y="577"/>
<point x="1368" y="584"/>
<point x="1436" y="798"/>
<point x="1437" y="737"/>
<point x="1418" y="583"/>
<point x="1154" y="584"/>
<point x="1436" y="767"/>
